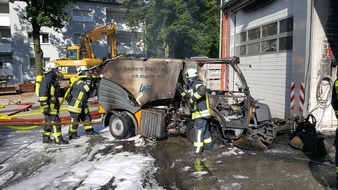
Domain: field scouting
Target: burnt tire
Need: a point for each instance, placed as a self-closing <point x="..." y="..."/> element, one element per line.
<point x="191" y="131"/>
<point x="120" y="126"/>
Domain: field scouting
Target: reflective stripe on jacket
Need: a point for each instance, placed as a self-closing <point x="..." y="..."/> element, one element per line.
<point x="80" y="93"/>
<point x="334" y="100"/>
<point x="48" y="93"/>
<point x="199" y="99"/>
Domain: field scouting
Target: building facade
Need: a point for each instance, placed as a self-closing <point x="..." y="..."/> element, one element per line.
<point x="287" y="50"/>
<point x="16" y="46"/>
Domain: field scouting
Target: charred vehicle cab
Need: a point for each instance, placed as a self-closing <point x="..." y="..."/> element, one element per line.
<point x="138" y="97"/>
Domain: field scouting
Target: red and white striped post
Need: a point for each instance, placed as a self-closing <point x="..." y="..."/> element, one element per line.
<point x="301" y="96"/>
<point x="292" y="99"/>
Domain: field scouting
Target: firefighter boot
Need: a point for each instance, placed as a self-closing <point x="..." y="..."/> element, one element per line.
<point x="60" y="140"/>
<point x="208" y="146"/>
<point x="91" y="132"/>
<point x="46" y="139"/>
<point x="73" y="135"/>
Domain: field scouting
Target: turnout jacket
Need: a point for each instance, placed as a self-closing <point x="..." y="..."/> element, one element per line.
<point x="48" y="92"/>
<point x="80" y="93"/>
<point x="334" y="100"/>
<point x="197" y="99"/>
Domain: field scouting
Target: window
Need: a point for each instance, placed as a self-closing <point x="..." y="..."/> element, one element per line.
<point x="286" y="25"/>
<point x="269" y="30"/>
<point x="72" y="53"/>
<point x="241" y="37"/>
<point x="44" y="38"/>
<point x="82" y="15"/>
<point x="254" y="34"/>
<point x="123" y="41"/>
<point x="1" y="62"/>
<point x="32" y="61"/>
<point x="77" y="38"/>
<point x="119" y="18"/>
<point x="269" y="46"/>
<point x="30" y="38"/>
<point x="241" y="50"/>
<point x="253" y="48"/>
<point x="285" y="43"/>
<point x="273" y="37"/>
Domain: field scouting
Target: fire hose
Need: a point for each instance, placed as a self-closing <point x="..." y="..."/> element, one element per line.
<point x="31" y="123"/>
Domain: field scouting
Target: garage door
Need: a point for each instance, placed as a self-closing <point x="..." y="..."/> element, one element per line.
<point x="263" y="41"/>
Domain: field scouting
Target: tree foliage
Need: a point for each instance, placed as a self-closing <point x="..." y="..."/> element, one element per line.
<point x="44" y="13"/>
<point x="187" y="27"/>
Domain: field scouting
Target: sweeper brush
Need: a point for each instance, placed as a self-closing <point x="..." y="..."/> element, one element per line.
<point x="250" y="144"/>
<point x="307" y="139"/>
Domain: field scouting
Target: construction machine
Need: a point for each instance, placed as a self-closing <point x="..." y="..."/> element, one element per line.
<point x="82" y="55"/>
<point x="138" y="97"/>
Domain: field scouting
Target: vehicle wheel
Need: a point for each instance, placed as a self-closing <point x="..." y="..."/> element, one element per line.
<point x="191" y="131"/>
<point x="120" y="126"/>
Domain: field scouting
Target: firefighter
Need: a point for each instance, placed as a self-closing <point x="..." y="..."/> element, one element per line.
<point x="334" y="103"/>
<point x="50" y="105"/>
<point x="78" y="103"/>
<point x="197" y="99"/>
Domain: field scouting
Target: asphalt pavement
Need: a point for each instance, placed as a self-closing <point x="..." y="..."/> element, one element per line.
<point x="225" y="167"/>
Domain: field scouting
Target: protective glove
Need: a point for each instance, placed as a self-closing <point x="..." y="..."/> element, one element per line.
<point x="179" y="89"/>
<point x="89" y="76"/>
<point x="89" y="83"/>
<point x="46" y="110"/>
<point x="191" y="107"/>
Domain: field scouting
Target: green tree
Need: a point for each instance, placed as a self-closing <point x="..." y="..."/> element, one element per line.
<point x="44" y="13"/>
<point x="179" y="29"/>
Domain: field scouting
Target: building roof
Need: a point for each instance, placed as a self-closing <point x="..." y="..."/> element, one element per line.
<point x="106" y="1"/>
<point x="239" y="4"/>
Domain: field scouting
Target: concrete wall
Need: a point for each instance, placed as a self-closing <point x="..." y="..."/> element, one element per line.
<point x="324" y="29"/>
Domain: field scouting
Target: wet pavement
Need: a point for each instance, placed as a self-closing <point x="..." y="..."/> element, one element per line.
<point x="225" y="167"/>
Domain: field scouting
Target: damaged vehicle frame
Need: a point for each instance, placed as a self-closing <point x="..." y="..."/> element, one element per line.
<point x="138" y="97"/>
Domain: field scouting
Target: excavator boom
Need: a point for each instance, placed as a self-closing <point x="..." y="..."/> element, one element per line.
<point x="82" y="55"/>
<point x="96" y="34"/>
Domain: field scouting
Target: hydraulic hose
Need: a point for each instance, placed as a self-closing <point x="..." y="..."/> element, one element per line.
<point x="323" y="95"/>
<point x="325" y="83"/>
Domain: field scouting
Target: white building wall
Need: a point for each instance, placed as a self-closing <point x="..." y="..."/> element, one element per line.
<point x="20" y="46"/>
<point x="56" y="48"/>
<point x="319" y="98"/>
<point x="267" y="74"/>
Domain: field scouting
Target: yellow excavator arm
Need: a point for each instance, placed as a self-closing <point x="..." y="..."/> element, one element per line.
<point x="82" y="55"/>
<point x="96" y="34"/>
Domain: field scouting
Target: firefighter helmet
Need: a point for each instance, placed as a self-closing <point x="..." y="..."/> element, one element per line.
<point x="82" y="69"/>
<point x="191" y="73"/>
<point x="51" y="66"/>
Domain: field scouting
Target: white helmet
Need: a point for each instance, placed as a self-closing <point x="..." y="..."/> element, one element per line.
<point x="81" y="69"/>
<point x="50" y="66"/>
<point x="190" y="73"/>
